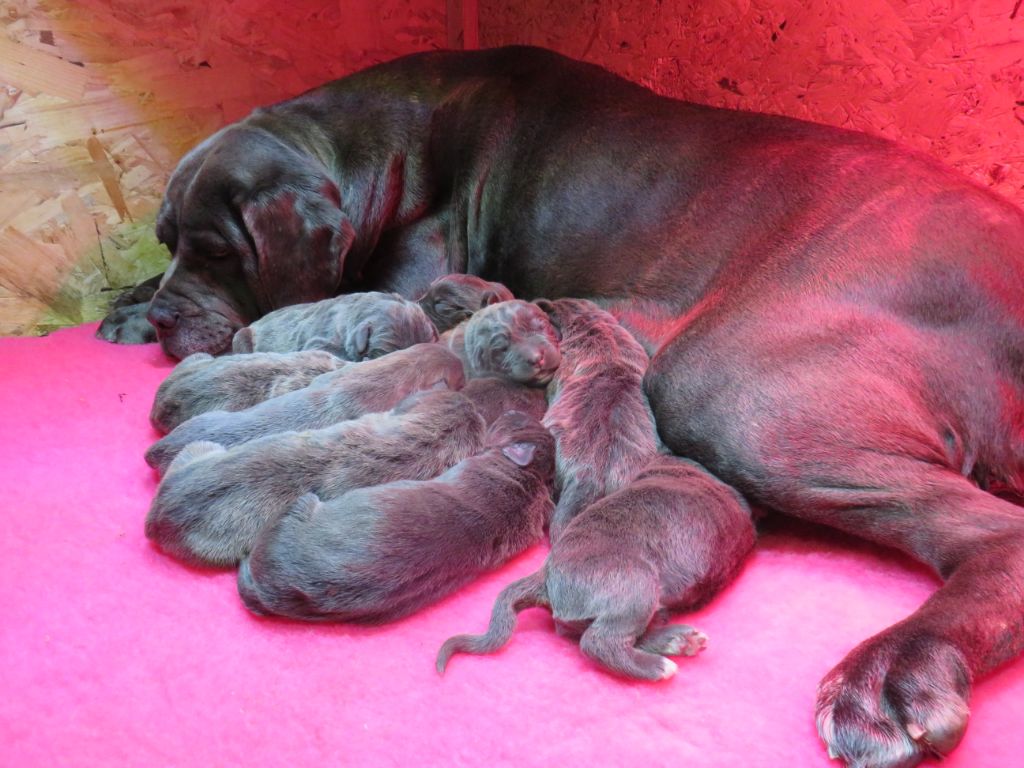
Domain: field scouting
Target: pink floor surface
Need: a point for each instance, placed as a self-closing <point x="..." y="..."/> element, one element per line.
<point x="114" y="654"/>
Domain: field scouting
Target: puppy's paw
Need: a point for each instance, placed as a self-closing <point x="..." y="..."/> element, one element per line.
<point x="674" y="640"/>
<point x="896" y="699"/>
<point x="668" y="668"/>
<point x="127" y="325"/>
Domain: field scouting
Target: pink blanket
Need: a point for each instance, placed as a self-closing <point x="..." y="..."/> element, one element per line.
<point x="114" y="654"/>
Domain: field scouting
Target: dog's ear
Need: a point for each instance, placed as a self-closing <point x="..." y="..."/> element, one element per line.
<point x="521" y="454"/>
<point x="301" y="238"/>
<point x="361" y="339"/>
<point x="548" y="308"/>
<point x="488" y="298"/>
<point x="244" y="341"/>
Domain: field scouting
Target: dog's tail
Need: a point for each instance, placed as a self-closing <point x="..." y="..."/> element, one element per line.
<point x="528" y="592"/>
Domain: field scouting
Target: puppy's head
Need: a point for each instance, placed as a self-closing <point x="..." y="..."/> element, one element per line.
<point x="252" y="224"/>
<point x="513" y="339"/>
<point x="384" y="322"/>
<point x="524" y="441"/>
<point x="451" y="299"/>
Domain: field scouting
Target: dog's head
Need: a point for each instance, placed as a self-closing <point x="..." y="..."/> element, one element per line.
<point x="453" y="298"/>
<point x="252" y="224"/>
<point x="513" y="339"/>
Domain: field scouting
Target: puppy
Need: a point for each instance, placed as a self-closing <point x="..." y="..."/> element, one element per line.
<point x="377" y="554"/>
<point x="348" y="393"/>
<point x="453" y="298"/>
<point x="357" y="326"/>
<point x="213" y="502"/>
<point x="651" y="547"/>
<point x="513" y="339"/>
<point x="202" y="383"/>
<point x="493" y="395"/>
<point x="603" y="427"/>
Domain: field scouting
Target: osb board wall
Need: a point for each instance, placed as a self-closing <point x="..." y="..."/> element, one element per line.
<point x="943" y="76"/>
<point x="100" y="98"/>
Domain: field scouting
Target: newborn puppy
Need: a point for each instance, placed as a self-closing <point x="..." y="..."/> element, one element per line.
<point x="202" y="383"/>
<point x="513" y="339"/>
<point x="213" y="502"/>
<point x="453" y="298"/>
<point x="358" y="326"/>
<point x="597" y="411"/>
<point x="377" y="554"/>
<point x="348" y="393"/>
<point x="649" y="548"/>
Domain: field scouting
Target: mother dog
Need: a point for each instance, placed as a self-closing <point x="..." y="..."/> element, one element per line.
<point x="837" y="325"/>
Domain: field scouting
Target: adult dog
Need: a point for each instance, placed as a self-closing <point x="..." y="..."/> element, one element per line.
<point x="837" y="323"/>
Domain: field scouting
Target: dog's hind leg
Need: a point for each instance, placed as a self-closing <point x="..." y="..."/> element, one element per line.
<point x="611" y="638"/>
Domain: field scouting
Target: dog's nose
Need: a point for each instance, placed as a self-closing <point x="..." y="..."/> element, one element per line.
<point x="163" y="318"/>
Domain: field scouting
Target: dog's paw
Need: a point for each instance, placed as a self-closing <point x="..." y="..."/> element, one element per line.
<point x="668" y="669"/>
<point x="895" y="700"/>
<point x="127" y="325"/>
<point x="675" y="640"/>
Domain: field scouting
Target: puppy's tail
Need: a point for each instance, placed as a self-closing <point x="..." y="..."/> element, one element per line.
<point x="528" y="592"/>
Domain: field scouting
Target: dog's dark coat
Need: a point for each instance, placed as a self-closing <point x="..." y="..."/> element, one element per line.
<point x="377" y="554"/>
<point x="202" y="383"/>
<point x="453" y="298"/>
<point x="669" y="540"/>
<point x="597" y="411"/>
<point x="353" y="391"/>
<point x="836" y="321"/>
<point x="359" y="326"/>
<point x="513" y="339"/>
<point x="213" y="502"/>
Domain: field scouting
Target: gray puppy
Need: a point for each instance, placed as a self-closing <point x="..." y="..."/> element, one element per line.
<point x="597" y="410"/>
<point x="353" y="391"/>
<point x="357" y="326"/>
<point x="453" y="298"/>
<point x="213" y="501"/>
<point x="202" y="383"/>
<point x="652" y="547"/>
<point x="513" y="339"/>
<point x="377" y="554"/>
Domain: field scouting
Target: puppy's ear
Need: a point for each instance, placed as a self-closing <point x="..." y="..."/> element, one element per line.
<point x="243" y="341"/>
<point x="521" y="454"/>
<point x="548" y="308"/>
<point x="300" y="234"/>
<point x="361" y="339"/>
<point x="489" y="297"/>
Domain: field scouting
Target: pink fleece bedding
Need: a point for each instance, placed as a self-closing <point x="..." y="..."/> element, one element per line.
<point x="114" y="654"/>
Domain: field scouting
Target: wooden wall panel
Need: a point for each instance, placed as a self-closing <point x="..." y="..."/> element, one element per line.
<point x="100" y="98"/>
<point x="943" y="76"/>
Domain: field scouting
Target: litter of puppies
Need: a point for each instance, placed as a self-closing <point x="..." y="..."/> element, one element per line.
<point x="362" y="457"/>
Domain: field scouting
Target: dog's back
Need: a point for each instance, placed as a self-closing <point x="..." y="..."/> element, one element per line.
<point x="597" y="410"/>
<point x="379" y="553"/>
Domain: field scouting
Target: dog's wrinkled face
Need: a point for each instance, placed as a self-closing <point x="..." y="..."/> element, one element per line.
<point x="513" y="339"/>
<point x="252" y="225"/>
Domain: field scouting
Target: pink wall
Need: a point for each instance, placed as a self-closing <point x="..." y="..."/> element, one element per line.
<point x="944" y="76"/>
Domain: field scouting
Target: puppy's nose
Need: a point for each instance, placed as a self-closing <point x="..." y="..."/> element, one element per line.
<point x="162" y="317"/>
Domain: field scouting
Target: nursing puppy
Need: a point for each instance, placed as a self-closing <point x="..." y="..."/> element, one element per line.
<point x="359" y="326"/>
<point x="377" y="554"/>
<point x="203" y="513"/>
<point x="202" y="383"/>
<point x="453" y="298"/>
<point x="513" y="339"/>
<point x="597" y="411"/>
<point x="652" y="547"/>
<point x="353" y="391"/>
